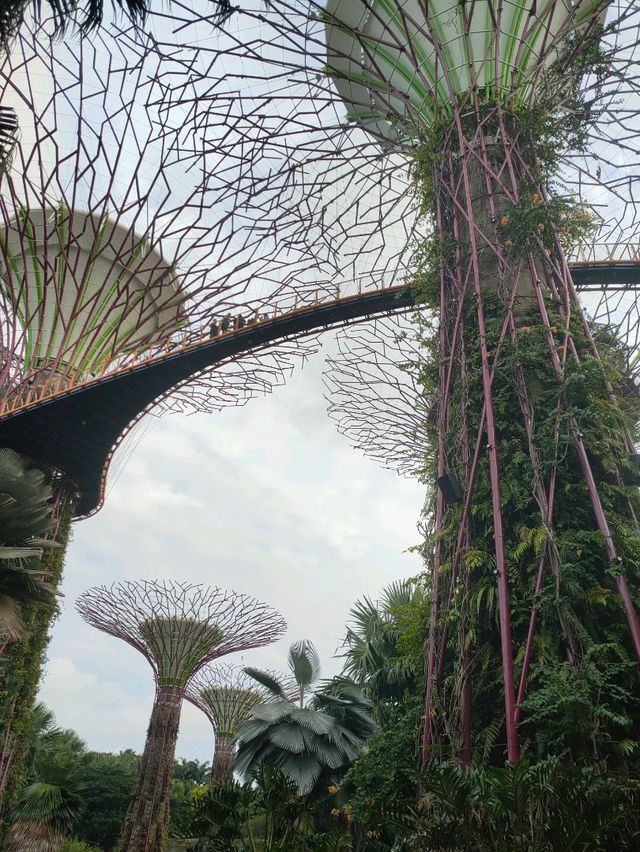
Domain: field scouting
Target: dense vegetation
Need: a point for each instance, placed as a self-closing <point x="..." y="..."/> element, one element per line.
<point x="337" y="766"/>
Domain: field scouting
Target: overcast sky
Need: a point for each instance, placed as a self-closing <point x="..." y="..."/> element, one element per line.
<point x="266" y="500"/>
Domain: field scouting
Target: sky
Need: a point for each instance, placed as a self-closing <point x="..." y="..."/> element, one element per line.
<point x="267" y="500"/>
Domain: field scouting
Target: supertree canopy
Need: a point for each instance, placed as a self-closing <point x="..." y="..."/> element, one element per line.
<point x="486" y="155"/>
<point x="179" y="628"/>
<point x="226" y="694"/>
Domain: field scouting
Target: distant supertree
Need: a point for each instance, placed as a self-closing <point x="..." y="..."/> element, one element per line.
<point x="227" y="694"/>
<point x="179" y="628"/>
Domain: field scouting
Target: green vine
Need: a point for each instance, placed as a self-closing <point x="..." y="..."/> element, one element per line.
<point x="582" y="696"/>
<point x="23" y="662"/>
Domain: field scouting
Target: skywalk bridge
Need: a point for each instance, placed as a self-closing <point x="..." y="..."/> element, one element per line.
<point x="77" y="430"/>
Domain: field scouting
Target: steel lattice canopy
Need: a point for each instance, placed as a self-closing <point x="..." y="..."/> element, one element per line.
<point x="400" y="61"/>
<point x="85" y="289"/>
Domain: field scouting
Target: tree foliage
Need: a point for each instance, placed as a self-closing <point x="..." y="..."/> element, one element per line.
<point x="25" y="518"/>
<point x="537" y="807"/>
<point x="51" y="797"/>
<point x="108" y="780"/>
<point x="305" y="740"/>
<point x="378" y="647"/>
<point x="22" y="665"/>
<point x="265" y="814"/>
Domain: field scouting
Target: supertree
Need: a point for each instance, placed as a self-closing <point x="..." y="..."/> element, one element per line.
<point x="486" y="156"/>
<point x="490" y="97"/>
<point x="179" y="628"/>
<point x="226" y="694"/>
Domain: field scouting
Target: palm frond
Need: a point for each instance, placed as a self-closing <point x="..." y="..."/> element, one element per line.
<point x="12" y="627"/>
<point x="288" y="736"/>
<point x="304" y="770"/>
<point x="272" y="712"/>
<point x="314" y="720"/>
<point x="304" y="663"/>
<point x="267" y="680"/>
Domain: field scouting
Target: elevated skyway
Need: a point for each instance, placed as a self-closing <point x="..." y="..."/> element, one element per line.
<point x="77" y="430"/>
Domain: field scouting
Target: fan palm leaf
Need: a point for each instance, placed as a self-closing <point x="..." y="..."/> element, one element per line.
<point x="304" y="663"/>
<point x="371" y="653"/>
<point x="25" y="516"/>
<point x="312" y="719"/>
<point x="267" y="680"/>
<point x="289" y="736"/>
<point x="303" y="741"/>
<point x="52" y="795"/>
<point x="303" y="769"/>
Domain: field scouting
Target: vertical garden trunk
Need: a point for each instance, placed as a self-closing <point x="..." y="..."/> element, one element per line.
<point x="148" y="815"/>
<point x="222" y="766"/>
<point x="22" y="664"/>
<point x="518" y="565"/>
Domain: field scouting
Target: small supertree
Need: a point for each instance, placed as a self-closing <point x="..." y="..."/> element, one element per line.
<point x="179" y="628"/>
<point x="227" y="694"/>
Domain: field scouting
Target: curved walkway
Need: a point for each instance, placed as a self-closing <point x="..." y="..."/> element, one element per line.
<point x="77" y="430"/>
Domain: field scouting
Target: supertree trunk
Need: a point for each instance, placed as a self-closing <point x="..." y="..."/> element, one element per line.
<point x="222" y="767"/>
<point x="512" y="339"/>
<point x="148" y="815"/>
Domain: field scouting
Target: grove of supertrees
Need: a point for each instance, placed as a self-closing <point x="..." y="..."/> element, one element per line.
<point x="466" y="149"/>
<point x="227" y="695"/>
<point x="471" y="150"/>
<point x="179" y="628"/>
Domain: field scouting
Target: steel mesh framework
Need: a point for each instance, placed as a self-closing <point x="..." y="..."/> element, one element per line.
<point x="226" y="694"/>
<point x="330" y="134"/>
<point x="111" y="254"/>
<point x="374" y="397"/>
<point x="179" y="628"/>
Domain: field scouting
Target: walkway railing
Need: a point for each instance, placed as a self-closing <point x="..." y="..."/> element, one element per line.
<point x="235" y="319"/>
<point x="232" y="320"/>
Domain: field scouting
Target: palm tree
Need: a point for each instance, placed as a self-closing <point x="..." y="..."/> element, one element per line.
<point x="25" y="516"/>
<point x="304" y="738"/>
<point x="87" y="16"/>
<point x="52" y="795"/>
<point x="372" y="657"/>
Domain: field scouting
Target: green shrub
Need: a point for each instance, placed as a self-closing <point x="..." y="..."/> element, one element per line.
<point x="77" y="846"/>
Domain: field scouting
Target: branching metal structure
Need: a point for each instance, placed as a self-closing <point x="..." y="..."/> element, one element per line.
<point x="324" y="108"/>
<point x="374" y="396"/>
<point x="227" y="696"/>
<point x="178" y="628"/>
<point x="110" y="255"/>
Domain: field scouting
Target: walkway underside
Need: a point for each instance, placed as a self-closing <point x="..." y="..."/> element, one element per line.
<point x="75" y="432"/>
